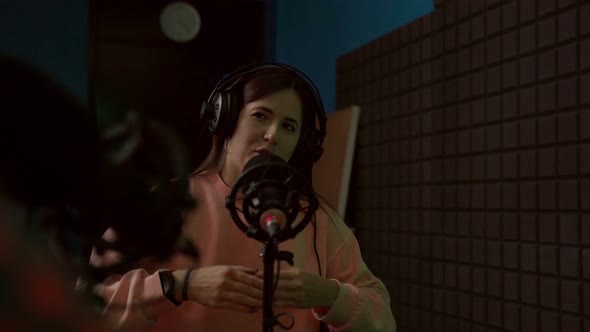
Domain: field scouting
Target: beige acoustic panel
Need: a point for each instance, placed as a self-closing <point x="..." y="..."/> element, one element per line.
<point x="331" y="175"/>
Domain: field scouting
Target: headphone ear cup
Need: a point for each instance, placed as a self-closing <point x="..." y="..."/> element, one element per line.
<point x="220" y="106"/>
<point x="221" y="115"/>
<point x="215" y="113"/>
<point x="314" y="149"/>
<point x="311" y="148"/>
<point x="212" y="115"/>
<point x="226" y="105"/>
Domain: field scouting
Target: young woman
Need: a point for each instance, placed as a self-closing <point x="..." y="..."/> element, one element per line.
<point x="266" y="108"/>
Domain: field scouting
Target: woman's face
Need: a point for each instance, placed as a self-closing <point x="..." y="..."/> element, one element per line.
<point x="270" y="124"/>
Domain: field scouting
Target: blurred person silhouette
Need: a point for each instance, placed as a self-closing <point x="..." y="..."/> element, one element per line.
<point x="49" y="145"/>
<point x="60" y="188"/>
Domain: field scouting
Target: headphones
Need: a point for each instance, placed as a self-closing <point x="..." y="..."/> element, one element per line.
<point x="221" y="110"/>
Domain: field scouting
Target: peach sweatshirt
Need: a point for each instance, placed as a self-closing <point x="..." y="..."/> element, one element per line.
<point x="362" y="303"/>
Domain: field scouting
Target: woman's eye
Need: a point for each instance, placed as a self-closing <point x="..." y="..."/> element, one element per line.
<point x="289" y="127"/>
<point x="259" y="115"/>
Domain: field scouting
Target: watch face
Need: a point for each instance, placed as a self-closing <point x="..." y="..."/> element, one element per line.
<point x="167" y="281"/>
<point x="180" y="21"/>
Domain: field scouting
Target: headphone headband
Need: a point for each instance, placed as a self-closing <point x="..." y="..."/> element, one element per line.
<point x="231" y="79"/>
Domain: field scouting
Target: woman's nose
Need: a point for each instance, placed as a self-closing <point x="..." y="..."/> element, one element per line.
<point x="271" y="135"/>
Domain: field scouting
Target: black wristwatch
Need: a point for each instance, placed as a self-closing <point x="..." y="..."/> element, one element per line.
<point x="167" y="281"/>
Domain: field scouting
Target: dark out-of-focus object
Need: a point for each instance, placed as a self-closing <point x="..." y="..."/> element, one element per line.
<point x="180" y="21"/>
<point x="48" y="141"/>
<point x="153" y="148"/>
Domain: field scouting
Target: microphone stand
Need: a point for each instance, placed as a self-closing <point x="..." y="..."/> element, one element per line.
<point x="270" y="255"/>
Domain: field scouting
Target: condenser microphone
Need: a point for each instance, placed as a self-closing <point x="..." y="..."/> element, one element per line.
<point x="271" y="199"/>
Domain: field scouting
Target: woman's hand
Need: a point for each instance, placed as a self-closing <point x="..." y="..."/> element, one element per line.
<point x="301" y="289"/>
<point x="227" y="287"/>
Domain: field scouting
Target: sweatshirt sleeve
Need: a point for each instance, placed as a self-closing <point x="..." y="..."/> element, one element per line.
<point x="133" y="300"/>
<point x="363" y="302"/>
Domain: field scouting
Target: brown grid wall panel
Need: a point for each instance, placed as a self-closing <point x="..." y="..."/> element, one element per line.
<point x="471" y="182"/>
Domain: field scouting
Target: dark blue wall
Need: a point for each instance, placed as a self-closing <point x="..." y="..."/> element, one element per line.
<point x="52" y="35"/>
<point x="311" y="34"/>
